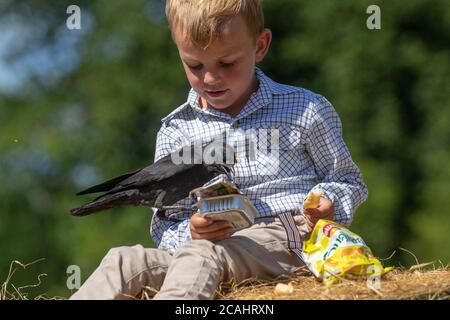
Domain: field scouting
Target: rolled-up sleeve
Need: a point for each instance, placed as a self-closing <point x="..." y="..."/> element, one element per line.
<point x="340" y="179"/>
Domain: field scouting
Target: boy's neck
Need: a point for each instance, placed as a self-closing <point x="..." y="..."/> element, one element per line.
<point x="237" y="107"/>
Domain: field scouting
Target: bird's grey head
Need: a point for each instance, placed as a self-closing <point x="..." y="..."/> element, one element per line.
<point x="221" y="168"/>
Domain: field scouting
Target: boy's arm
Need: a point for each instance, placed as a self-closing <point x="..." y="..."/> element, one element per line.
<point x="340" y="179"/>
<point x="169" y="235"/>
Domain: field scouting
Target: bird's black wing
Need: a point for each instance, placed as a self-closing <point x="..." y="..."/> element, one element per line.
<point x="108" y="185"/>
<point x="160" y="170"/>
<point x="127" y="197"/>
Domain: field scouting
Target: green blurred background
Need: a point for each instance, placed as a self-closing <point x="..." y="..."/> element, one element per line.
<point x="80" y="106"/>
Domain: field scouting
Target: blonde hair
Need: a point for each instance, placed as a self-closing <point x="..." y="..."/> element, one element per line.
<point x="203" y="20"/>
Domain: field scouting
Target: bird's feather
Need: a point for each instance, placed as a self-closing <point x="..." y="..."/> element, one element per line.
<point x="163" y="183"/>
<point x="127" y="197"/>
<point x="107" y="185"/>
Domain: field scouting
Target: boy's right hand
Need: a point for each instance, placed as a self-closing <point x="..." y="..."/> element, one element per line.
<point x="207" y="229"/>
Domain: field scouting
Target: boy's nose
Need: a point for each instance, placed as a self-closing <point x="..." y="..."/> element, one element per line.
<point x="210" y="78"/>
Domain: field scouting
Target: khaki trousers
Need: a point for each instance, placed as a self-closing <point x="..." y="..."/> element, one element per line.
<point x="197" y="268"/>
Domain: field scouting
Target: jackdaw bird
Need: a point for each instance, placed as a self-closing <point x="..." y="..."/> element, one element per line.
<point x="165" y="182"/>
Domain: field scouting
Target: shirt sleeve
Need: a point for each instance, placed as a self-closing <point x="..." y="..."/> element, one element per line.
<point x="340" y="180"/>
<point x="170" y="234"/>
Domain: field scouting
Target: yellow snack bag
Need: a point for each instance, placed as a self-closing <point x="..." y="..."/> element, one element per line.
<point x="334" y="252"/>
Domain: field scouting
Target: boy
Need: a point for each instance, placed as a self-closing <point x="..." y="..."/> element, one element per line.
<point x="219" y="43"/>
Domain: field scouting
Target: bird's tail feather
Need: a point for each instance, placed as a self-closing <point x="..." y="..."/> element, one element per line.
<point x="107" y="185"/>
<point x="127" y="197"/>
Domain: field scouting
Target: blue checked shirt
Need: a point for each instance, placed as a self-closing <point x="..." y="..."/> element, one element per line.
<point x="299" y="149"/>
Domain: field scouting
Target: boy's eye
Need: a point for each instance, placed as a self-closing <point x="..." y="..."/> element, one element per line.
<point x="227" y="64"/>
<point x="196" y="67"/>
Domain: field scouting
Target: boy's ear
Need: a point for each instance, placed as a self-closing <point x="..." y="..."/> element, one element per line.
<point x="263" y="44"/>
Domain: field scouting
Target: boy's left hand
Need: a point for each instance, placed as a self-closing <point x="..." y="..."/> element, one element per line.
<point x="324" y="211"/>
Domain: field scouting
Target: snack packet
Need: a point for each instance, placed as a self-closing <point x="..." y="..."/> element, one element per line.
<point x="334" y="252"/>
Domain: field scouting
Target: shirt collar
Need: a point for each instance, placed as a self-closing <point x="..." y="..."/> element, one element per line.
<point x="261" y="97"/>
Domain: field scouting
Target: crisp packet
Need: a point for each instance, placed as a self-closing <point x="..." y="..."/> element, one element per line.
<point x="334" y="252"/>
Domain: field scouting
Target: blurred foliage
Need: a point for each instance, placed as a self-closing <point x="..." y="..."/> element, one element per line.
<point x="90" y="101"/>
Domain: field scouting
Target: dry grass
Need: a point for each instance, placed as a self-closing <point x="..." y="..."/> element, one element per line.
<point x="420" y="282"/>
<point x="426" y="281"/>
<point x="9" y="291"/>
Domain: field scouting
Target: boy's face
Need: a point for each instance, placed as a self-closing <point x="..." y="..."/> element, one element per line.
<point x="223" y="74"/>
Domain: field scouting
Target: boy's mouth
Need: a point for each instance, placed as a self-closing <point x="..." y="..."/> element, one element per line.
<point x="215" y="93"/>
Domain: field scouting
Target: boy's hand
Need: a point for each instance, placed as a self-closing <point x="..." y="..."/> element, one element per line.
<point x="324" y="211"/>
<point x="207" y="229"/>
